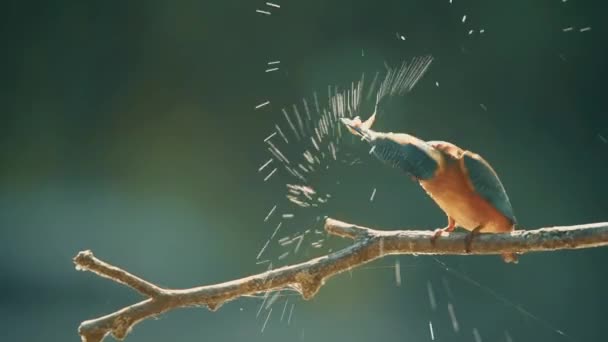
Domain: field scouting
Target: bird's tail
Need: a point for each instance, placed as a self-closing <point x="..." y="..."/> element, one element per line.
<point x="510" y="258"/>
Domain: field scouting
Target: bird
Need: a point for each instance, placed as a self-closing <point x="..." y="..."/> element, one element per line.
<point x="462" y="183"/>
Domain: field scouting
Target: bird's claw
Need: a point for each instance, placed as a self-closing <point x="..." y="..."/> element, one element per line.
<point x="437" y="233"/>
<point x="467" y="244"/>
<point x="449" y="228"/>
<point x="468" y="240"/>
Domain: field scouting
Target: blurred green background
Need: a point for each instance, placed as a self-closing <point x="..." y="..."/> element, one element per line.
<point x="129" y="128"/>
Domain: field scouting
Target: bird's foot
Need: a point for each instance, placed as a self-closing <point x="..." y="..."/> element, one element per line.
<point x="468" y="240"/>
<point x="437" y="233"/>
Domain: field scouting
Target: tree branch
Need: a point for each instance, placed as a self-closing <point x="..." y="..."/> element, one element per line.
<point x="85" y="261"/>
<point x="309" y="276"/>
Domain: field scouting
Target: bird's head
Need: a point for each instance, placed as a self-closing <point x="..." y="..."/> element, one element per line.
<point x="358" y="128"/>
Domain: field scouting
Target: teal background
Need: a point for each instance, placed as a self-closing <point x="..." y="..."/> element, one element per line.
<point x="129" y="128"/>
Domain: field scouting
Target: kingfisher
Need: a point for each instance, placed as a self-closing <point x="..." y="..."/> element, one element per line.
<point x="460" y="182"/>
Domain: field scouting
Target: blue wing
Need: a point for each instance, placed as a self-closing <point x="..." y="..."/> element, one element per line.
<point x="413" y="158"/>
<point x="487" y="185"/>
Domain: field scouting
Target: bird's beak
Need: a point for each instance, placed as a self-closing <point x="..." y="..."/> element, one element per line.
<point x="349" y="125"/>
<point x="356" y="129"/>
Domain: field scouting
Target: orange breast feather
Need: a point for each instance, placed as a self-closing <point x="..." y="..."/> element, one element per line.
<point x="455" y="195"/>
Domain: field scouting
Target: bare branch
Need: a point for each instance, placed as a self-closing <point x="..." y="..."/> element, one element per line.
<point x="519" y="241"/>
<point x="346" y="230"/>
<point x="85" y="261"/>
<point x="309" y="276"/>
